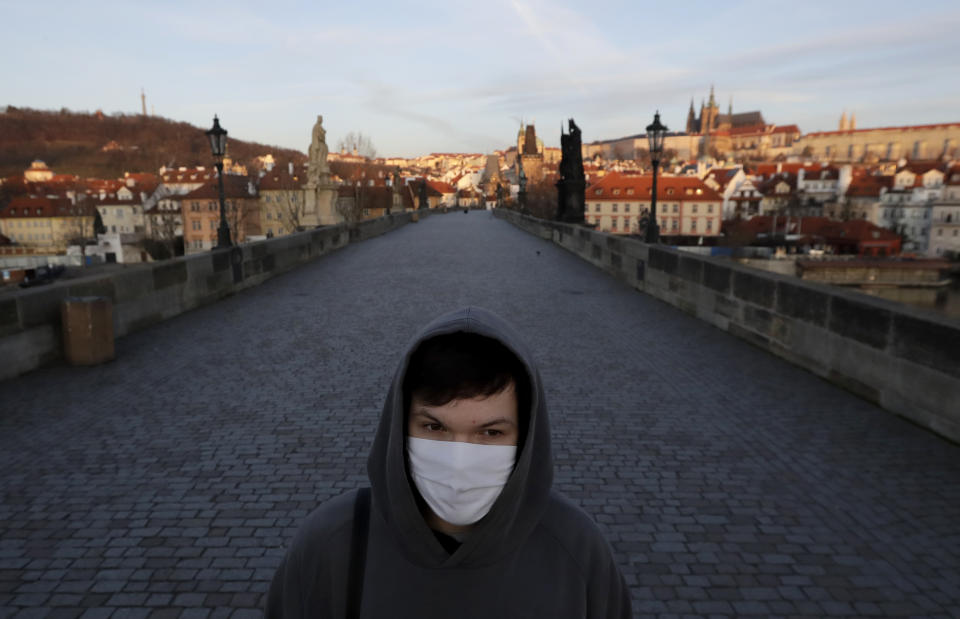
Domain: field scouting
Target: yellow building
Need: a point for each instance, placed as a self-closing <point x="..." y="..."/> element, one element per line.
<point x="685" y="205"/>
<point x="915" y="142"/>
<point x="46" y="223"/>
<point x="283" y="200"/>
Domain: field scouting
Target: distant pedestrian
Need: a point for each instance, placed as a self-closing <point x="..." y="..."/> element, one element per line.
<point x="460" y="520"/>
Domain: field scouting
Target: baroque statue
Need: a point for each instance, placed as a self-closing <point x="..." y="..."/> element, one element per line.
<point x="318" y="153"/>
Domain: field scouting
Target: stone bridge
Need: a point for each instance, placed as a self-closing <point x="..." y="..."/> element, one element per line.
<point x="729" y="482"/>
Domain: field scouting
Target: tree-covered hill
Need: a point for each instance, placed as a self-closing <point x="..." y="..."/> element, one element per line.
<point x="107" y="145"/>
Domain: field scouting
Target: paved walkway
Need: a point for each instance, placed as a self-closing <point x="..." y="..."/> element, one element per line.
<point x="730" y="483"/>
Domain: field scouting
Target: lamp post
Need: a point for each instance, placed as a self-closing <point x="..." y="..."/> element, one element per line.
<point x="218" y="145"/>
<point x="655" y="134"/>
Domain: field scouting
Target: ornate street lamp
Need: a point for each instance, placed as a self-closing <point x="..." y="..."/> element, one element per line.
<point x="655" y="133"/>
<point x="218" y="145"/>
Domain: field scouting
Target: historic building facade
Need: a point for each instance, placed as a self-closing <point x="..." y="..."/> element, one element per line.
<point x="916" y="142"/>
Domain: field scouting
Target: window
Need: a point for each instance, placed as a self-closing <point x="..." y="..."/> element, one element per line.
<point x="614" y="207"/>
<point x="669" y="191"/>
<point x="676" y="207"/>
<point x="676" y="224"/>
<point x="709" y="208"/>
<point x="630" y="191"/>
<point x="596" y="207"/>
<point x="213" y="224"/>
<point x="613" y="225"/>
<point x="694" y="209"/>
<point x="626" y="208"/>
<point x="709" y="225"/>
<point x="693" y="225"/>
<point x="616" y="192"/>
<point x="600" y="191"/>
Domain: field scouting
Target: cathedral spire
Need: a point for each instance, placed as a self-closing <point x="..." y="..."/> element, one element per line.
<point x="691" y="119"/>
<point x="713" y="102"/>
<point x="843" y="121"/>
<point x="730" y="109"/>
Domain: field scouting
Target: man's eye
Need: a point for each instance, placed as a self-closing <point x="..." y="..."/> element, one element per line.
<point x="433" y="427"/>
<point x="492" y="433"/>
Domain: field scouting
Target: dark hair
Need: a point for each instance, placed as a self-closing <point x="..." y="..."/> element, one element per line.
<point x="459" y="366"/>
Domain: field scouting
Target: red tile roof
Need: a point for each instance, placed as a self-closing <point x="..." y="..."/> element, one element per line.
<point x="825" y="174"/>
<point x="441" y="187"/>
<point x="190" y="175"/>
<point x="280" y="178"/>
<point x="30" y="206"/>
<point x="638" y="187"/>
<point x="234" y="187"/>
<point x="786" y="129"/>
<point x="769" y="169"/>
<point x="868" y="186"/>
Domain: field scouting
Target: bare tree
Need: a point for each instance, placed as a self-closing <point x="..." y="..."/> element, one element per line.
<point x="351" y="207"/>
<point x="357" y="141"/>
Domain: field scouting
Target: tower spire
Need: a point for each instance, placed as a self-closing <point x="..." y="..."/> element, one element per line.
<point x="143" y="101"/>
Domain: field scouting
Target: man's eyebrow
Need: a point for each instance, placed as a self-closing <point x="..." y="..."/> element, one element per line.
<point x="423" y="413"/>
<point x="496" y="421"/>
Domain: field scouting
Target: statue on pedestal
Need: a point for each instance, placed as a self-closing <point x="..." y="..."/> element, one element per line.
<point x="571" y="188"/>
<point x="319" y="190"/>
<point x="319" y="167"/>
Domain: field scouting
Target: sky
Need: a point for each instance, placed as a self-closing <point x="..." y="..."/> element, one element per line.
<point x="420" y="77"/>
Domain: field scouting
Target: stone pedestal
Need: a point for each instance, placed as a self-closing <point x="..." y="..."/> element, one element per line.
<point x="320" y="206"/>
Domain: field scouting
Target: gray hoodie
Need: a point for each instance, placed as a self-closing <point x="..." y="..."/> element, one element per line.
<point x="535" y="554"/>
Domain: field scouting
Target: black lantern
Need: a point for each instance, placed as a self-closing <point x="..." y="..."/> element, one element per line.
<point x="655" y="134"/>
<point x="218" y="145"/>
<point x="218" y="139"/>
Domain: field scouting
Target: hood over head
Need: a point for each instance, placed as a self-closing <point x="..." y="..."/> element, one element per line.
<point x="520" y="505"/>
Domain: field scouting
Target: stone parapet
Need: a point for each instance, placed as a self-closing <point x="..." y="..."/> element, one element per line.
<point x="905" y="360"/>
<point x="144" y="294"/>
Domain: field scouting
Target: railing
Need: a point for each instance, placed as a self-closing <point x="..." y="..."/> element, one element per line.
<point x="904" y="359"/>
<point x="144" y="294"/>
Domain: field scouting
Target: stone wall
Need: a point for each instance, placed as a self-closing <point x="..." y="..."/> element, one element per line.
<point x="145" y="294"/>
<point x="903" y="359"/>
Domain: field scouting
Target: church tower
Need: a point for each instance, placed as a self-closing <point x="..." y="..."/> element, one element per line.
<point x="708" y="118"/>
<point x="692" y="120"/>
<point x="843" y="121"/>
<point x="530" y="153"/>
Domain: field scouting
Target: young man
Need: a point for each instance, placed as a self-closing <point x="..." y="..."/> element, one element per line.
<point x="462" y="521"/>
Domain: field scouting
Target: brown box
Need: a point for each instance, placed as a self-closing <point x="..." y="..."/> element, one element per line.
<point x="87" y="330"/>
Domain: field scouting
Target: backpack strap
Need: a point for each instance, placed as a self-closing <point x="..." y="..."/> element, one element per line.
<point x="358" y="552"/>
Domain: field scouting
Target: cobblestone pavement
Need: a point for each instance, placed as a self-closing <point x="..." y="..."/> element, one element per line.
<point x="168" y="482"/>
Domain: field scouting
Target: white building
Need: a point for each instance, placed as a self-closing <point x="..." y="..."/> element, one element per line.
<point x="726" y="182"/>
<point x="945" y="225"/>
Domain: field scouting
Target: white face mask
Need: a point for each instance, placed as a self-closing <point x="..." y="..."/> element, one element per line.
<point x="459" y="481"/>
